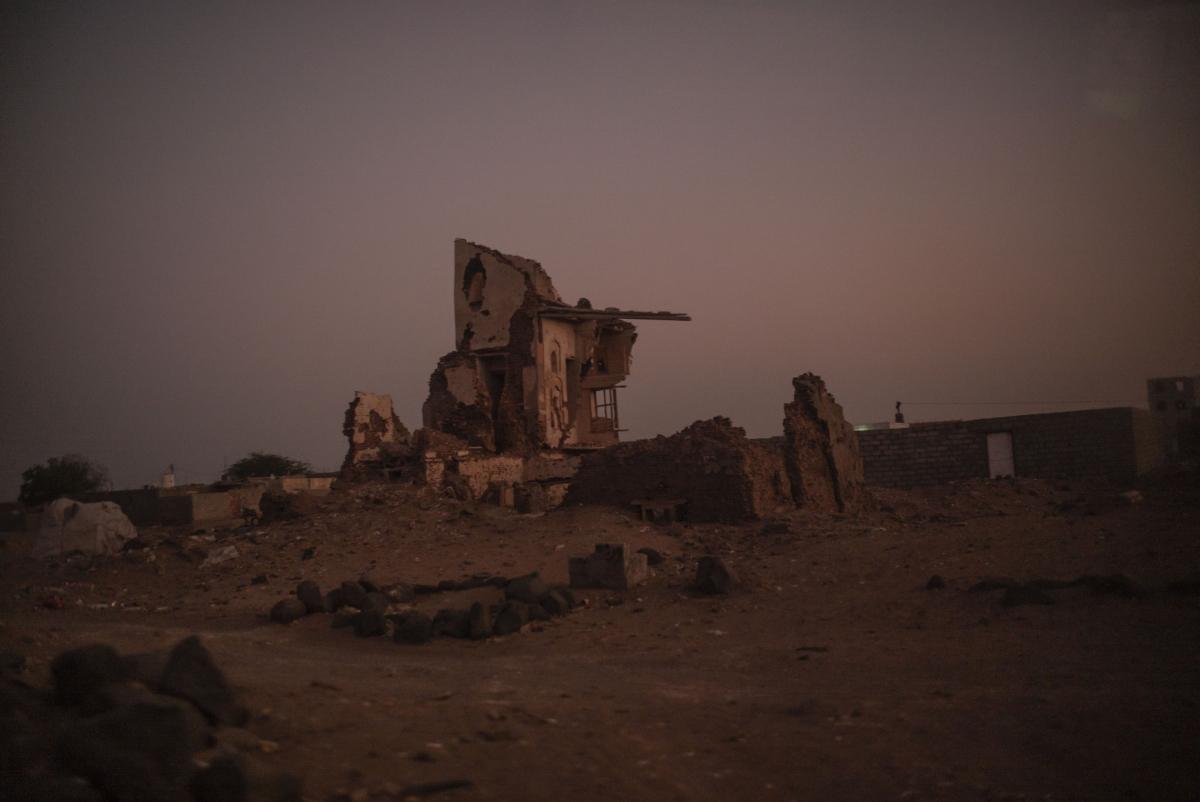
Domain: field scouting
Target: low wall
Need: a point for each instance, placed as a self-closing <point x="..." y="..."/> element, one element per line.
<point x="1117" y="444"/>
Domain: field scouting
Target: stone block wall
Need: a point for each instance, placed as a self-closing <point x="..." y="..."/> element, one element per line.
<point x="1117" y="444"/>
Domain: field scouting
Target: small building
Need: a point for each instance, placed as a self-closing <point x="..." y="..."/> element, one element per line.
<point x="1118" y="444"/>
<point x="1175" y="402"/>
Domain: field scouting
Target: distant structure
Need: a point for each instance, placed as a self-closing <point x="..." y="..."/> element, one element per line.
<point x="1175" y="402"/>
<point x="168" y="478"/>
<point x="529" y="371"/>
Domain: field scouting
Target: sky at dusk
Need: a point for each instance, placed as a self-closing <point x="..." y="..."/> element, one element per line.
<point x="219" y="220"/>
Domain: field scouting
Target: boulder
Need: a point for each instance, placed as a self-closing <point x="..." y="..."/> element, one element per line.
<point x="512" y="616"/>
<point x="413" y="627"/>
<point x="714" y="577"/>
<point x="191" y="674"/>
<point x="370" y="624"/>
<point x="79" y="673"/>
<point x="67" y="526"/>
<point x="354" y="595"/>
<point x="528" y="589"/>
<point x="480" y="621"/>
<point x="554" y="603"/>
<point x="286" y="611"/>
<point x="310" y="596"/>
<point x="452" y="624"/>
<point x="611" y="566"/>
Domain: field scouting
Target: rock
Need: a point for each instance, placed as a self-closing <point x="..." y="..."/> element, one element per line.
<point x="400" y="593"/>
<point x="368" y="585"/>
<point x="260" y="579"/>
<point x="611" y="566"/>
<point x="935" y="583"/>
<point x="554" y="603"/>
<point x="79" y="673"/>
<point x="370" y="623"/>
<point x="308" y="553"/>
<point x="191" y="674"/>
<point x="653" y="556"/>
<point x="146" y="667"/>
<point x="528" y="589"/>
<point x="288" y="610"/>
<point x="446" y="585"/>
<point x="232" y="740"/>
<point x="240" y="778"/>
<point x="135" y="753"/>
<point x="480" y="621"/>
<point x="452" y="624"/>
<point x="354" y="595"/>
<point x="378" y="602"/>
<point x="713" y="576"/>
<point x="1018" y="595"/>
<point x="334" y="600"/>
<point x="538" y="613"/>
<point x="512" y="616"/>
<point x="219" y="556"/>
<point x="413" y="627"/>
<point x="342" y="620"/>
<point x="472" y="582"/>
<point x="310" y="596"/>
<point x="68" y="526"/>
<point x="991" y="583"/>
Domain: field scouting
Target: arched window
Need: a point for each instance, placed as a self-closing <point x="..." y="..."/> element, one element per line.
<point x="474" y="279"/>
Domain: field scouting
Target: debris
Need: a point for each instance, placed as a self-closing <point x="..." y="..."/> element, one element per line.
<point x="218" y="556"/>
<point x="69" y="526"/>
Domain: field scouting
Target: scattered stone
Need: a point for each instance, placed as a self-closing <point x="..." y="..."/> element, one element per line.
<point x="335" y="600"/>
<point x="354" y="595"/>
<point x="261" y="579"/>
<point x="310" y="596"/>
<point x="538" y="613"/>
<point x="452" y="623"/>
<point x="377" y="601"/>
<point x="239" y="777"/>
<point x="370" y="623"/>
<point x="611" y="566"/>
<point x="936" y="582"/>
<point x="413" y="627"/>
<point x="308" y="553"/>
<point x="512" y="616"/>
<point x="480" y="618"/>
<point x="81" y="672"/>
<point x="288" y="610"/>
<point x="219" y="556"/>
<point x="399" y="593"/>
<point x="528" y="589"/>
<point x="190" y="673"/>
<point x="368" y="585"/>
<point x="653" y="556"/>
<point x="714" y="577"/>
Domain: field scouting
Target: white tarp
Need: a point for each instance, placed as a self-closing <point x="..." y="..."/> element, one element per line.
<point x="67" y="525"/>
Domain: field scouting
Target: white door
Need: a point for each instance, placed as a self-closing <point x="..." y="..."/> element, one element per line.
<point x="1000" y="454"/>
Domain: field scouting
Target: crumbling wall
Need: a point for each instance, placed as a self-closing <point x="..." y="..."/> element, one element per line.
<point x="459" y="401"/>
<point x="820" y="450"/>
<point x="711" y="465"/>
<point x="489" y="288"/>
<point x="376" y="435"/>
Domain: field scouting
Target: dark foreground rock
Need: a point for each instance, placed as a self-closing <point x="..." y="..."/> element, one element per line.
<point x="238" y="778"/>
<point x="310" y="596"/>
<point x="286" y="611"/>
<point x="714" y="577"/>
<point x="191" y="674"/>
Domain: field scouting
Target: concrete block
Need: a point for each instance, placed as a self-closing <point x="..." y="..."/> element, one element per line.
<point x="612" y="566"/>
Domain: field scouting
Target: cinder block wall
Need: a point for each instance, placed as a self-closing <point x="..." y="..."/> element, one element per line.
<point x="1116" y="444"/>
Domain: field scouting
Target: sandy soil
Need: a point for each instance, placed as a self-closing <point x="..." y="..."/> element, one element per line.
<point x="833" y="674"/>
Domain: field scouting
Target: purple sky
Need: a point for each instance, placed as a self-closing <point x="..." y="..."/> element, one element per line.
<point x="220" y="220"/>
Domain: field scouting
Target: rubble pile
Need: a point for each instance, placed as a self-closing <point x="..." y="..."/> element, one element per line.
<point x="374" y="611"/>
<point x="132" y="728"/>
<point x="820" y="448"/>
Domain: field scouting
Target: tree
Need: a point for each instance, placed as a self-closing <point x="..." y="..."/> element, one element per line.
<point x="260" y="464"/>
<point x="68" y="475"/>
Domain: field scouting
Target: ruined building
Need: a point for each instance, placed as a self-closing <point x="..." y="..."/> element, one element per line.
<point x="529" y="371"/>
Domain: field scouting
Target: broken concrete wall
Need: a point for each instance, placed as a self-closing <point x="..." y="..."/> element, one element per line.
<point x="720" y="473"/>
<point x="377" y="437"/>
<point x="489" y="288"/>
<point x="821" y="451"/>
<point x="460" y="402"/>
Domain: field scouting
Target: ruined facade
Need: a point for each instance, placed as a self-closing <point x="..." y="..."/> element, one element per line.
<point x="719" y="474"/>
<point x="378" y="440"/>
<point x="529" y="371"/>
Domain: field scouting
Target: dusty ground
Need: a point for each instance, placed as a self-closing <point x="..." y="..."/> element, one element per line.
<point x="834" y="674"/>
